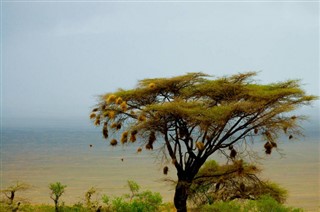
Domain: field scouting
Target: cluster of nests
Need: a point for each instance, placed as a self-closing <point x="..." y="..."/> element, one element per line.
<point x="270" y="144"/>
<point x="133" y="134"/>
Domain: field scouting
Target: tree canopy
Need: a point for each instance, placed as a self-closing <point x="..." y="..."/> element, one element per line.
<point x="196" y="115"/>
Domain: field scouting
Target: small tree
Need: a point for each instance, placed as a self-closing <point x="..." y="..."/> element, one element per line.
<point x="10" y="193"/>
<point x="57" y="189"/>
<point x="197" y="116"/>
<point x="92" y="205"/>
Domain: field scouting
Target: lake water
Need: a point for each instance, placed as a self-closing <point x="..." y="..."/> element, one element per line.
<point x="42" y="156"/>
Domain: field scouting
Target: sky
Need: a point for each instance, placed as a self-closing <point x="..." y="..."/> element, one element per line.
<point x="57" y="57"/>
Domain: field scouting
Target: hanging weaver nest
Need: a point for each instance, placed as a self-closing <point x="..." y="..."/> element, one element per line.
<point x="124" y="137"/>
<point x="165" y="170"/>
<point x="290" y="137"/>
<point x="174" y="161"/>
<point x="95" y="109"/>
<point x="113" y="142"/>
<point x="268" y="148"/>
<point x="133" y="137"/>
<point x="200" y="145"/>
<point x="123" y="106"/>
<point x="111" y="98"/>
<point x="233" y="153"/>
<point x="119" y="126"/>
<point x="274" y="144"/>
<point x="139" y="150"/>
<point x="105" y="114"/>
<point x="183" y="131"/>
<point x="97" y="122"/>
<point x="256" y="131"/>
<point x="105" y="130"/>
<point x="111" y="114"/>
<point x="152" y="85"/>
<point x="152" y="138"/>
<point x="92" y="115"/>
<point x="142" y="117"/>
<point x="149" y="146"/>
<point x="119" y="100"/>
<point x="114" y="125"/>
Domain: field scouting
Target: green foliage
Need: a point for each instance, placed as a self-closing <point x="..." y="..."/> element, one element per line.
<point x="263" y="204"/>
<point x="275" y="191"/>
<point x="196" y="116"/>
<point x="11" y="202"/>
<point x="148" y="201"/>
<point x="268" y="204"/>
<point x="57" y="189"/>
<point x="237" y="180"/>
<point x="136" y="201"/>
<point x="89" y="202"/>
<point x="145" y="201"/>
<point x="222" y="207"/>
<point x="11" y="191"/>
<point x="49" y="208"/>
<point x="133" y="186"/>
<point x="195" y="100"/>
<point x="105" y="199"/>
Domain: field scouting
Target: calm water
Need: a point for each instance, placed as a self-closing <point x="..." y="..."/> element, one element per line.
<point x="43" y="156"/>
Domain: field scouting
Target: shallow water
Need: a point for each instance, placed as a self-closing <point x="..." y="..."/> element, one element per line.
<point x="40" y="157"/>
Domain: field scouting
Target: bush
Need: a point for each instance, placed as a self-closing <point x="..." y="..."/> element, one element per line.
<point x="263" y="204"/>
<point x="136" y="201"/>
<point x="237" y="180"/>
<point x="268" y="204"/>
<point x="222" y="206"/>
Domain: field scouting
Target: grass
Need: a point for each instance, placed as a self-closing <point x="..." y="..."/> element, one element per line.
<point x="147" y="201"/>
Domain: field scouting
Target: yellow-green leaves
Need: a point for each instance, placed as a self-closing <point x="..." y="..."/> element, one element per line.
<point x="111" y="98"/>
<point x="196" y="103"/>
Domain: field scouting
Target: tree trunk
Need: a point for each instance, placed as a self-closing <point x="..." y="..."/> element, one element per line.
<point x="181" y="195"/>
<point x="56" y="206"/>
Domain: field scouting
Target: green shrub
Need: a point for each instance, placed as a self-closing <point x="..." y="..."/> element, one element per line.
<point x="119" y="204"/>
<point x="238" y="180"/>
<point x="268" y="204"/>
<point x="222" y="207"/>
<point x="264" y="204"/>
<point x="136" y="201"/>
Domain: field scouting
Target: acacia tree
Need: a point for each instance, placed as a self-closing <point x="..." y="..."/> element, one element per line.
<point x="57" y="189"/>
<point x="194" y="116"/>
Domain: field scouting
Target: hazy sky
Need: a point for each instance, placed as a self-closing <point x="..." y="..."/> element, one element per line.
<point x="57" y="57"/>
